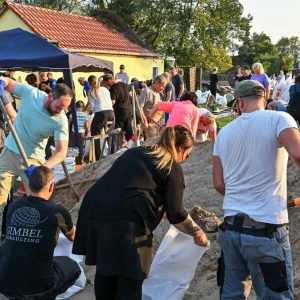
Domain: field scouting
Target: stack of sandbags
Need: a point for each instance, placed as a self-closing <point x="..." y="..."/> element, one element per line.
<point x="59" y="171"/>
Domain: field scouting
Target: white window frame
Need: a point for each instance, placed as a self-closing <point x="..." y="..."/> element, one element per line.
<point x="155" y="68"/>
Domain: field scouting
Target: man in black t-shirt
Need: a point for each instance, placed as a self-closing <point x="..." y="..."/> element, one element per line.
<point x="121" y="103"/>
<point x="27" y="265"/>
<point x="178" y="83"/>
<point x="246" y="74"/>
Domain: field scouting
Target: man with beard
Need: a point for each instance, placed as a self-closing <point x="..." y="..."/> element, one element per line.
<point x="39" y="117"/>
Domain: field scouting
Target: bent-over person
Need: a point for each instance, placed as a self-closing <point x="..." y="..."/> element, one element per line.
<point x="120" y="211"/>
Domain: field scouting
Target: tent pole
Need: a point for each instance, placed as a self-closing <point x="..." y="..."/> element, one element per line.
<point x="69" y="81"/>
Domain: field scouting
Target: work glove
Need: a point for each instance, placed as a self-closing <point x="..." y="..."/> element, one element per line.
<point x="29" y="170"/>
<point x="2" y="86"/>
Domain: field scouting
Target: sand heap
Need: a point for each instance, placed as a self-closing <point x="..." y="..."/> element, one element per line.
<point x="199" y="191"/>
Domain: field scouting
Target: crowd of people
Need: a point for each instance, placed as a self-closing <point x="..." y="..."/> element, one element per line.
<point x="120" y="211"/>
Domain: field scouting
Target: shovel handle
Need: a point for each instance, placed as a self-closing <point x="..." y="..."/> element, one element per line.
<point x="296" y="202"/>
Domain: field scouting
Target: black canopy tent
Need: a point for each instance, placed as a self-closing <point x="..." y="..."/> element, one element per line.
<point x="24" y="51"/>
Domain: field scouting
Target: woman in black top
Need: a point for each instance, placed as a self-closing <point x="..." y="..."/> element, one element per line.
<point x="120" y="211"/>
<point x="213" y="81"/>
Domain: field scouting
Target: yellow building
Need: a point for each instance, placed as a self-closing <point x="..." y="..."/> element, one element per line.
<point x="83" y="35"/>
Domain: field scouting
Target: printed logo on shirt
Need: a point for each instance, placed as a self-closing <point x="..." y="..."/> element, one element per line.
<point x="22" y="226"/>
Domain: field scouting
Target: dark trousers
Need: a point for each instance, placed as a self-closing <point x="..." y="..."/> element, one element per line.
<point x="73" y="143"/>
<point x="99" y="122"/>
<point x="65" y="272"/>
<point x="213" y="91"/>
<point x="126" y="125"/>
<point x="294" y="111"/>
<point x="116" y="287"/>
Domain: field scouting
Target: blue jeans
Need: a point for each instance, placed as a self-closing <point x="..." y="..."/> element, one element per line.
<point x="265" y="262"/>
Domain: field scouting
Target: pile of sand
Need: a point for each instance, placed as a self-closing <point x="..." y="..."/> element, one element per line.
<point x="199" y="191"/>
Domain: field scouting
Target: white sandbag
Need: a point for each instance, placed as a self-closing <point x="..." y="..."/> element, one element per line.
<point x="173" y="267"/>
<point x="203" y="97"/>
<point x="198" y="94"/>
<point x="279" y="91"/>
<point x="64" y="248"/>
<point x="221" y="100"/>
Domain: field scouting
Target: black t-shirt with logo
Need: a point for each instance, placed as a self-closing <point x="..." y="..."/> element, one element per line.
<point x="26" y="257"/>
<point x="120" y="94"/>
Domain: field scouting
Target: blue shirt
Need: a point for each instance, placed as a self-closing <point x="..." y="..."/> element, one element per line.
<point x="81" y="118"/>
<point x="34" y="124"/>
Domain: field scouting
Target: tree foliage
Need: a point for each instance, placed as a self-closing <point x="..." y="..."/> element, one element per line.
<point x="255" y="46"/>
<point x="259" y="48"/>
<point x="61" y="5"/>
<point x="193" y="31"/>
<point x="288" y="46"/>
<point x="201" y="31"/>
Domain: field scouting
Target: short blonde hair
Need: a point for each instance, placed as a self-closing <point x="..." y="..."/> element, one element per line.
<point x="210" y="116"/>
<point x="259" y="66"/>
<point x="167" y="75"/>
<point x="215" y="69"/>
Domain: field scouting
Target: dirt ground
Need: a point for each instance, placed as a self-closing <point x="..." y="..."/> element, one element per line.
<point x="199" y="191"/>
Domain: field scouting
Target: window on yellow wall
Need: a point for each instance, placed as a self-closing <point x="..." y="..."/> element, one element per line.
<point x="154" y="72"/>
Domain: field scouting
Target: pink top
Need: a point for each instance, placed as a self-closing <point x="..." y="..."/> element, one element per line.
<point x="183" y="113"/>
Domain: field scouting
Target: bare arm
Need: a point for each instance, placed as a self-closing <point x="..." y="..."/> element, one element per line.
<point x="11" y="112"/>
<point x="169" y="95"/>
<point x="144" y="120"/>
<point x="59" y="155"/>
<point x="290" y="139"/>
<point x="153" y="111"/>
<point x="71" y="234"/>
<point x="181" y="91"/>
<point x="188" y="226"/>
<point x="268" y="88"/>
<point x="218" y="175"/>
<point x="9" y="84"/>
<point x="213" y="135"/>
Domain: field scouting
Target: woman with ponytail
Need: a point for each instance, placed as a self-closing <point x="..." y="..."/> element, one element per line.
<point x="101" y="105"/>
<point x="120" y="211"/>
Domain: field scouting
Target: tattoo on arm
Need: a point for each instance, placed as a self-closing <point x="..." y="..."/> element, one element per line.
<point x="190" y="227"/>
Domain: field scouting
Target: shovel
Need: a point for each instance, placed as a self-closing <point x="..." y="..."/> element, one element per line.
<point x="295" y="202"/>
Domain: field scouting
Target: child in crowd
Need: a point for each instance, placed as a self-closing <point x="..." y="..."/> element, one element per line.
<point x="82" y="123"/>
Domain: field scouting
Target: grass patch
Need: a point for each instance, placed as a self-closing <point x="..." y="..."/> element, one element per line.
<point x="223" y="121"/>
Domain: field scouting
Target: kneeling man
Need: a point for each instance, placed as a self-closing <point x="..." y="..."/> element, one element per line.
<point x="27" y="265"/>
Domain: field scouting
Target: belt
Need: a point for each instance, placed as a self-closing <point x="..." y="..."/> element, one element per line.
<point x="251" y="222"/>
<point x="248" y="226"/>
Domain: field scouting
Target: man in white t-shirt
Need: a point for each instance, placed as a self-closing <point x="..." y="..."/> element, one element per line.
<point x="250" y="170"/>
<point x="207" y="124"/>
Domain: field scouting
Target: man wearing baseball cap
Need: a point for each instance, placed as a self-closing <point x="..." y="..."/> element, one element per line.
<point x="123" y="76"/>
<point x="250" y="170"/>
<point x="246" y="74"/>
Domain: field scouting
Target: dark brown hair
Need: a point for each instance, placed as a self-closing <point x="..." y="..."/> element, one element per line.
<point x="40" y="177"/>
<point x="190" y="96"/>
<point x="31" y="80"/>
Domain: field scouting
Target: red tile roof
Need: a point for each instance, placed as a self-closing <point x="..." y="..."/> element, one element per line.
<point x="75" y="32"/>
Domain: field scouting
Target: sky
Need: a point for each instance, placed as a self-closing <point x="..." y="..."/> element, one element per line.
<point x="277" y="18"/>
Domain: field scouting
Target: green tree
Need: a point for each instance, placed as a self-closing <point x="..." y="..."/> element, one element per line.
<point x="288" y="46"/>
<point x="61" y="5"/>
<point x="255" y="46"/>
<point x="193" y="31"/>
